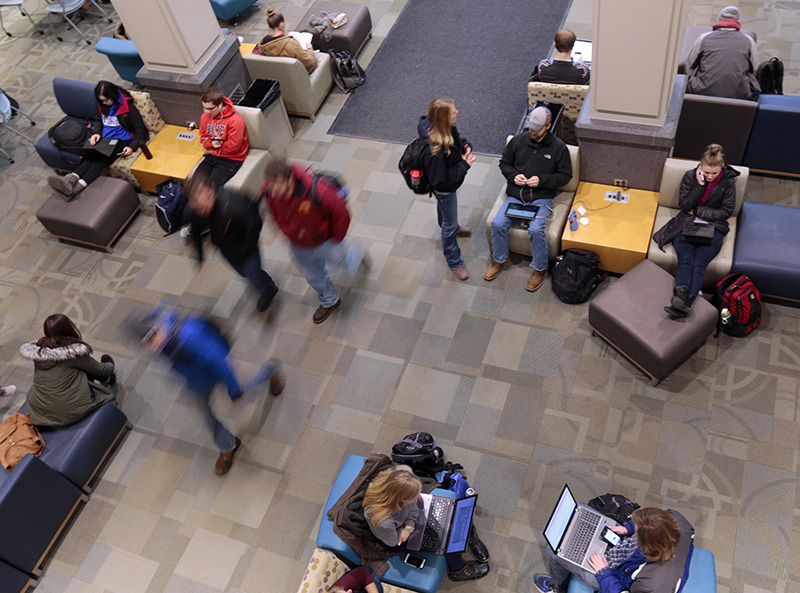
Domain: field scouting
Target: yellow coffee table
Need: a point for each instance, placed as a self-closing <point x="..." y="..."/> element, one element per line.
<point x="246" y="49"/>
<point x="176" y="150"/>
<point x="619" y="232"/>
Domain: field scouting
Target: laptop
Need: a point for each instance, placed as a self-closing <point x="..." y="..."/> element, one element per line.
<point x="105" y="146"/>
<point x="573" y="531"/>
<point x="521" y="211"/>
<point x="582" y="50"/>
<point x="447" y="525"/>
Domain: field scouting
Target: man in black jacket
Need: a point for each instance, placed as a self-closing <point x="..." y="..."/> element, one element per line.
<point x="234" y="223"/>
<point x="535" y="164"/>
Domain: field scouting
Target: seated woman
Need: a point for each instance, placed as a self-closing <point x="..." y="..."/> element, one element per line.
<point x="707" y="192"/>
<point x="117" y="119"/>
<point x="280" y="44"/>
<point x="391" y="509"/>
<point x="67" y="382"/>
<point x="651" y="558"/>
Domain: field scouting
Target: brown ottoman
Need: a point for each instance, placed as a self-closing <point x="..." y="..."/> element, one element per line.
<point x="96" y="216"/>
<point x="630" y="316"/>
<point x="350" y="37"/>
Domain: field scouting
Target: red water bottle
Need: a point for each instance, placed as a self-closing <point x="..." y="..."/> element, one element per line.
<point x="416" y="175"/>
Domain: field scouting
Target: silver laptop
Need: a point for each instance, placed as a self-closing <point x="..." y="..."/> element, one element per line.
<point x="582" y="50"/>
<point x="447" y="524"/>
<point x="573" y="531"/>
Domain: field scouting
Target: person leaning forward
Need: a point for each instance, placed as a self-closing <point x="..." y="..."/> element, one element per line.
<point x="535" y="164"/>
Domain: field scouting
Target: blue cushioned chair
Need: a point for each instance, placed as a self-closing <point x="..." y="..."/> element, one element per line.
<point x="77" y="99"/>
<point x="774" y="141"/>
<point x="123" y="55"/>
<point x="14" y="581"/>
<point x="77" y="450"/>
<point x="401" y="574"/>
<point x="702" y="575"/>
<point x="226" y="10"/>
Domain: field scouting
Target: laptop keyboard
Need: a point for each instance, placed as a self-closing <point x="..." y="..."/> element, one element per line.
<point x="581" y="538"/>
<point x="434" y="526"/>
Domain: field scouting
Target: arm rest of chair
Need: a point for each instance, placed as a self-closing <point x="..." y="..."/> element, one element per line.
<point x="110" y="46"/>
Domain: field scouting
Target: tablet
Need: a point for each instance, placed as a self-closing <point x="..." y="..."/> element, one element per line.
<point x="522" y="211"/>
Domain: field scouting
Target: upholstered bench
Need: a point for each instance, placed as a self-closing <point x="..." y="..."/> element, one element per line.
<point x="324" y="569"/>
<point x="766" y="249"/>
<point x="702" y="575"/>
<point x="399" y="573"/>
<point x="630" y="316"/>
<point x="96" y="216"/>
<point x="350" y="37"/>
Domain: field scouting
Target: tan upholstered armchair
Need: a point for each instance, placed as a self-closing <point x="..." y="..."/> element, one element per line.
<point x="571" y="96"/>
<point x="250" y="177"/>
<point x="302" y="92"/>
<point x="668" y="207"/>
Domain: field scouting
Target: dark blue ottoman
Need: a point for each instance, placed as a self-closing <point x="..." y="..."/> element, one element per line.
<point x="774" y="142"/>
<point x="767" y="248"/>
<point x="13" y="580"/>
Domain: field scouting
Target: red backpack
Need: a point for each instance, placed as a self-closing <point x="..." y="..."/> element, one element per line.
<point x="738" y="294"/>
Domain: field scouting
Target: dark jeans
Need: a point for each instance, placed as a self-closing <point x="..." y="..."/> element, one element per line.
<point x="693" y="261"/>
<point x="93" y="162"/>
<point x="249" y="266"/>
<point x="218" y="169"/>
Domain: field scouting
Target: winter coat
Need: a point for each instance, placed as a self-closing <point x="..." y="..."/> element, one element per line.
<point x="548" y="159"/>
<point x="305" y="222"/>
<point x="62" y="392"/>
<point x="286" y="46"/>
<point x="228" y="126"/>
<point x="235" y="226"/>
<point x="722" y="63"/>
<point x="446" y="172"/>
<point x="129" y="118"/>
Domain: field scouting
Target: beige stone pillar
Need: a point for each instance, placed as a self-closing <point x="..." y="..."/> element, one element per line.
<point x="184" y="53"/>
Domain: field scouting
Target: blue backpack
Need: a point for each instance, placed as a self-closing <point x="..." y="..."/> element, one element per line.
<point x="170" y="205"/>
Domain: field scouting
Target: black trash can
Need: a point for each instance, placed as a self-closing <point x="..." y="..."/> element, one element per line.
<point x="271" y="129"/>
<point x="555" y="121"/>
<point x="261" y="94"/>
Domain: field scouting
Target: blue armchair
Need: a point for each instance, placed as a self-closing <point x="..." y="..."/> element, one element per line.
<point x="226" y="10"/>
<point x="123" y="55"/>
<point x="774" y="142"/>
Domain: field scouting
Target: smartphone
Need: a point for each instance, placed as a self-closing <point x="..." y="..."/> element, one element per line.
<point x="415" y="561"/>
<point x="702" y="176"/>
<point x="608" y="536"/>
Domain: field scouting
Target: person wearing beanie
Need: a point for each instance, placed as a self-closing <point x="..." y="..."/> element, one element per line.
<point x="723" y="62"/>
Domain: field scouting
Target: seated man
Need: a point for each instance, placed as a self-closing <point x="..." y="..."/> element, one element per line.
<point x="722" y="62"/>
<point x="562" y="69"/>
<point x="535" y="163"/>
<point x="223" y="135"/>
<point x="651" y="562"/>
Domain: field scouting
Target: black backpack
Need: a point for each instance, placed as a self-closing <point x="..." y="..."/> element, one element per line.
<point x="419" y="451"/>
<point x="575" y="275"/>
<point x="615" y="506"/>
<point x="70" y="132"/>
<point x="410" y="165"/>
<point x="738" y="294"/>
<point x="335" y="181"/>
<point x="170" y="205"/>
<point x="770" y="77"/>
<point x="347" y="72"/>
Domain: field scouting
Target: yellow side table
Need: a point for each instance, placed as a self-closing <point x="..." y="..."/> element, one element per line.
<point x="176" y="150"/>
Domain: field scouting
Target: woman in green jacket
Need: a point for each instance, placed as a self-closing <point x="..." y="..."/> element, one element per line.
<point x="68" y="382"/>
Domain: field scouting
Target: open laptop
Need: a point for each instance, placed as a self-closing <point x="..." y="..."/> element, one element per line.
<point x="582" y="50"/>
<point x="105" y="146"/>
<point x="573" y="531"/>
<point x="447" y="525"/>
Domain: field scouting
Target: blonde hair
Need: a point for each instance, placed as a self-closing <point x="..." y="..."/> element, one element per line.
<point x="657" y="533"/>
<point x="713" y="156"/>
<point x="388" y="490"/>
<point x="274" y="19"/>
<point x="440" y="137"/>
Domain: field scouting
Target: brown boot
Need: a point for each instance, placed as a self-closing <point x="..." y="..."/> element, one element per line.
<point x="535" y="281"/>
<point x="493" y="270"/>
<point x="464" y="231"/>
<point x="276" y="384"/>
<point x="322" y="313"/>
<point x="461" y="273"/>
<point x="225" y="460"/>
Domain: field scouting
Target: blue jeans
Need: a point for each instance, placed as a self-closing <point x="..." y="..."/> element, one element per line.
<point x="693" y="261"/>
<point x="249" y="266"/>
<point x="224" y="438"/>
<point x="312" y="263"/>
<point x="447" y="215"/>
<point x="560" y="570"/>
<point x="502" y="223"/>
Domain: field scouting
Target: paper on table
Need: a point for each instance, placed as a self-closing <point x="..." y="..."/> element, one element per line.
<point x="303" y="38"/>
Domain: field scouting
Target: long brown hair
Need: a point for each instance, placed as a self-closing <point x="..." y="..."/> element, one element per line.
<point x="388" y="490"/>
<point x="440" y="137"/>
<point x="59" y="331"/>
<point x="274" y="18"/>
<point x="657" y="533"/>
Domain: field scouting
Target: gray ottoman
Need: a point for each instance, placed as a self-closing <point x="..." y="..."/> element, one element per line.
<point x="630" y="316"/>
<point x="96" y="216"/>
<point x="350" y="37"/>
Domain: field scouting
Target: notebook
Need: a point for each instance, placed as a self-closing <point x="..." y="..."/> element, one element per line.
<point x="521" y="211"/>
<point x="573" y="531"/>
<point x="447" y="525"/>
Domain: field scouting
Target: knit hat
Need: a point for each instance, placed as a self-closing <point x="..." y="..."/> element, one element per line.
<point x="729" y="13"/>
<point x="538" y="119"/>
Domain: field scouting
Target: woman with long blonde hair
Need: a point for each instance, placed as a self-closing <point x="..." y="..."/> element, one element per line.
<point x="446" y="160"/>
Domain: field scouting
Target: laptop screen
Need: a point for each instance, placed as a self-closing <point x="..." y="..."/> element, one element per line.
<point x="462" y="520"/>
<point x="559" y="519"/>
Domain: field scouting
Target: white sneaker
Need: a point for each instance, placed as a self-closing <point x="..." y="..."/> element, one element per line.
<point x="8" y="390"/>
<point x="186" y="232"/>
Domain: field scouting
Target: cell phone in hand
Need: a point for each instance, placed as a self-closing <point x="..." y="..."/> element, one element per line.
<point x="610" y="537"/>
<point x="414" y="560"/>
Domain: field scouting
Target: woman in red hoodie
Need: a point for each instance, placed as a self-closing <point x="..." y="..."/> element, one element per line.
<point x="223" y="135"/>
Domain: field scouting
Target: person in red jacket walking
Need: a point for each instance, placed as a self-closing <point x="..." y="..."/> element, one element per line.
<point x="315" y="226"/>
<point x="223" y="135"/>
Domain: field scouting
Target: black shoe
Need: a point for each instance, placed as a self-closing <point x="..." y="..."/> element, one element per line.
<point x="680" y="299"/>
<point x="112" y="380"/>
<point x="265" y="300"/>
<point x="476" y="546"/>
<point x="470" y="572"/>
<point x="675" y="313"/>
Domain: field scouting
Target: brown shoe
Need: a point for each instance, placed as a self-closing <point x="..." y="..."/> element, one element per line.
<point x="493" y="270"/>
<point x="225" y="460"/>
<point x="322" y="313"/>
<point x="464" y="231"/>
<point x="535" y="281"/>
<point x="276" y="384"/>
<point x="461" y="273"/>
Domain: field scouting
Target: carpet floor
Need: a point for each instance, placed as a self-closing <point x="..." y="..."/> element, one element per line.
<point x="477" y="54"/>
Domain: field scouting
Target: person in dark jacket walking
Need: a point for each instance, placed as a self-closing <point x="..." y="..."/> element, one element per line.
<point x="446" y="160"/>
<point x="234" y="223"/>
<point x="117" y="119"/>
<point x="707" y="192"/>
